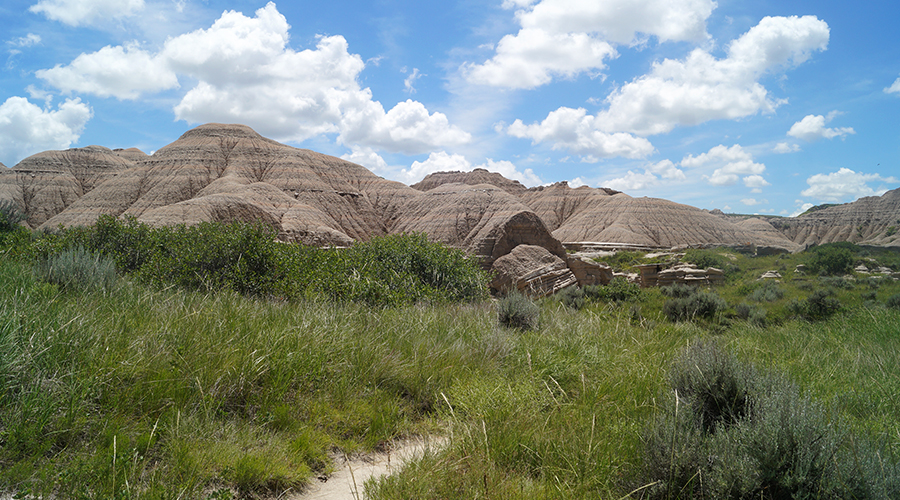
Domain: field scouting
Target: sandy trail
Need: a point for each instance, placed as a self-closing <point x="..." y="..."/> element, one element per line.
<point x="346" y="483"/>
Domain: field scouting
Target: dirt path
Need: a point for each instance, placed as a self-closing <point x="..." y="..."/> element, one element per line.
<point x="346" y="483"/>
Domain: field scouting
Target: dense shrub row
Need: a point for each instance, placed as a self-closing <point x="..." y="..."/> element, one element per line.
<point x="246" y="258"/>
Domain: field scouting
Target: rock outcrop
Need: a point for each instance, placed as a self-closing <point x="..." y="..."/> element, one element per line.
<point x="484" y="220"/>
<point x="532" y="270"/>
<point x="873" y="220"/>
<point x="229" y="173"/>
<point x="47" y="183"/>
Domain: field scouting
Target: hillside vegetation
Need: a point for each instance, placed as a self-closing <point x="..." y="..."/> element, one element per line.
<point x="213" y="362"/>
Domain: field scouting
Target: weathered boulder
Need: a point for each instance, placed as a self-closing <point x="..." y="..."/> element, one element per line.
<point x="532" y="270"/>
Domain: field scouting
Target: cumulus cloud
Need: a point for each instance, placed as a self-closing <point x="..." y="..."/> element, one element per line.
<point x="579" y="133"/>
<point x="633" y="181"/>
<point x="26" y="129"/>
<point x="245" y="72"/>
<point x="441" y="161"/>
<point x="121" y="72"/>
<point x="893" y="89"/>
<point x="533" y="57"/>
<point x="750" y="202"/>
<point x="86" y="12"/>
<point x="845" y="184"/>
<point x="650" y="177"/>
<point x="701" y="87"/>
<point x="784" y="148"/>
<point x="812" y="127"/>
<point x="732" y="163"/>
<point x="564" y="38"/>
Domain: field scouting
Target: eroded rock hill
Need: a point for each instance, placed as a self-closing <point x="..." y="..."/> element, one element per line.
<point x="873" y="220"/>
<point x="228" y="173"/>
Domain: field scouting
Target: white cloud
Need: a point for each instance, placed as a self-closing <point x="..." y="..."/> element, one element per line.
<point x="579" y="133"/>
<point x="577" y="183"/>
<point x="533" y="57"/>
<point x="750" y="202"/>
<point x="441" y="161"/>
<point x="784" y="148"/>
<point x="667" y="170"/>
<point x="564" y="38"/>
<point x="755" y="181"/>
<point x="86" y="12"/>
<point x="732" y="163"/>
<point x="246" y="73"/>
<point x="633" y="181"/>
<point x="812" y="127"/>
<point x="845" y="184"/>
<point x="803" y="207"/>
<point x="121" y="72"/>
<point x="893" y="89"/>
<point x="410" y="81"/>
<point x="368" y="158"/>
<point x="28" y="40"/>
<point x="701" y="88"/>
<point x="26" y="129"/>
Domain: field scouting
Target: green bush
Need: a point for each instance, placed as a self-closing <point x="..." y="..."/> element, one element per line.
<point x="706" y="258"/>
<point x="617" y="290"/>
<point x="729" y="431"/>
<point x="78" y="269"/>
<point x="10" y="215"/>
<point x="245" y="258"/>
<point x="696" y="305"/>
<point x="837" y="282"/>
<point x="518" y="311"/>
<point x="572" y="297"/>
<point x="821" y="304"/>
<point x="769" y="291"/>
<point x="832" y="259"/>
<point x="893" y="301"/>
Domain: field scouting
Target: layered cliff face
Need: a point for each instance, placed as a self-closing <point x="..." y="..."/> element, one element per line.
<point x="228" y="173"/>
<point x="605" y="216"/>
<point x="874" y="220"/>
<point x="47" y="183"/>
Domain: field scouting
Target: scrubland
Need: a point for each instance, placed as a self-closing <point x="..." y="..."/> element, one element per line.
<point x="213" y="363"/>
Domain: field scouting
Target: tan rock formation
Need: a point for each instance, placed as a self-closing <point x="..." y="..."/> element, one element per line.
<point x="532" y="270"/>
<point x="484" y="220"/>
<point x="589" y="272"/>
<point x="866" y="221"/>
<point x="472" y="178"/>
<point x="229" y="172"/>
<point x="684" y="274"/>
<point x="47" y="183"/>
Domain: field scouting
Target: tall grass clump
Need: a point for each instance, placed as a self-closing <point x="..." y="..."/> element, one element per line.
<point x="617" y="290"/>
<point x="515" y="310"/>
<point x="729" y="431"/>
<point x="78" y="269"/>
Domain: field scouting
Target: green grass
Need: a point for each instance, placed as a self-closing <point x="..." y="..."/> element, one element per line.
<point x="147" y="392"/>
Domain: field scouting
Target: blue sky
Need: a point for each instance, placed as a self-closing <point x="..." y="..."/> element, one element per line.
<point x="750" y="107"/>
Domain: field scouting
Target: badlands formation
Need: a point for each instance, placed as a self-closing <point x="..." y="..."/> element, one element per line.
<point x="230" y="173"/>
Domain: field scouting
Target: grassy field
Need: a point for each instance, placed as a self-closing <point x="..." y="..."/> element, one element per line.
<point x="137" y="391"/>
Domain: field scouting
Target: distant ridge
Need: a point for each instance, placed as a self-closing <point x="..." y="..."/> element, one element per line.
<point x="220" y="172"/>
